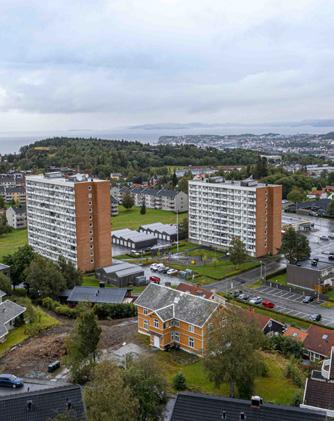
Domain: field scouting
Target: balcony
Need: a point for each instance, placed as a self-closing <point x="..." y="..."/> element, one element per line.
<point x="325" y="369"/>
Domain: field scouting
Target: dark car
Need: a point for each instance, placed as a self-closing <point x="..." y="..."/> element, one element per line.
<point x="331" y="257"/>
<point x="237" y="293"/>
<point x="315" y="317"/>
<point x="308" y="299"/>
<point x="9" y="380"/>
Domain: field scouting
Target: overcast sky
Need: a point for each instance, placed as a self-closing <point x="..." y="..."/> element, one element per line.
<point x="99" y="64"/>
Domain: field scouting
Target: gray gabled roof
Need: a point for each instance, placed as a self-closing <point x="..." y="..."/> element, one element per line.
<point x="45" y="404"/>
<point x="169" y="303"/>
<point x="3" y="330"/>
<point x="3" y="266"/>
<point x="9" y="311"/>
<point x="199" y="407"/>
<point x="159" y="227"/>
<point x="167" y="193"/>
<point x="2" y="293"/>
<point x="97" y="295"/>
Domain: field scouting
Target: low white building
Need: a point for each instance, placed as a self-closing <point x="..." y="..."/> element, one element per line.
<point x="9" y="312"/>
<point x="17" y="217"/>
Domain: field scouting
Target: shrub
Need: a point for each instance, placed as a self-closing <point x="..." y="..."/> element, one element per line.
<point x="286" y="346"/>
<point x="293" y="373"/>
<point x="115" y="311"/>
<point x="20" y="292"/>
<point x="179" y="382"/>
<point x="61" y="309"/>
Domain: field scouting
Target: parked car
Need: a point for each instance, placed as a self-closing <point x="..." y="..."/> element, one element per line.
<point x="255" y="300"/>
<point x="9" y="380"/>
<point x="331" y="257"/>
<point x="244" y="296"/>
<point x="160" y="267"/>
<point x="154" y="267"/>
<point x="331" y="236"/>
<point x="53" y="366"/>
<point x="324" y="238"/>
<point x="268" y="304"/>
<point x="135" y="253"/>
<point x="172" y="272"/>
<point x="314" y="263"/>
<point x="154" y="279"/>
<point x="165" y="269"/>
<point x="237" y="293"/>
<point x="308" y="299"/>
<point x="315" y="317"/>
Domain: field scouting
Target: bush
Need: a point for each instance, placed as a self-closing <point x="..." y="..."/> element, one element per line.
<point x="293" y="373"/>
<point x="115" y="311"/>
<point x="286" y="346"/>
<point x="179" y="382"/>
<point x="61" y="309"/>
<point x="20" y="292"/>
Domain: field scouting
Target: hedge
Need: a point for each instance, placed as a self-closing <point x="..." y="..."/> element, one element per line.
<point x="58" y="308"/>
<point x="115" y="311"/>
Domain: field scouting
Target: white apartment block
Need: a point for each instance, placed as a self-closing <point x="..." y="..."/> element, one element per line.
<point x="220" y="211"/>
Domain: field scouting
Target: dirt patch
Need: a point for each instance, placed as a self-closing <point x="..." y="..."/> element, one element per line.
<point x="116" y="332"/>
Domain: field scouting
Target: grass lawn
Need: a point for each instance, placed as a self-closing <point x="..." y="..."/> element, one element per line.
<point x="327" y="304"/>
<point x="132" y="219"/>
<point x="279" y="279"/>
<point x="273" y="388"/>
<point x="91" y="281"/>
<point x="18" y="335"/>
<point x="256" y="284"/>
<point x="220" y="269"/>
<point x="12" y="241"/>
<point x="330" y="294"/>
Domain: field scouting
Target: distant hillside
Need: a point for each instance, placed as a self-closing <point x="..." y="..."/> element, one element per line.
<point x="100" y="157"/>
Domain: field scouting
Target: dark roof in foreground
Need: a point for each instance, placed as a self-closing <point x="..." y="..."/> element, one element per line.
<point x="97" y="295"/>
<point x="198" y="407"/>
<point x="45" y="404"/>
<point x="319" y="393"/>
<point x="169" y="303"/>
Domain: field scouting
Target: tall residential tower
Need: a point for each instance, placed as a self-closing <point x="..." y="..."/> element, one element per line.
<point x="70" y="217"/>
<point x="220" y="210"/>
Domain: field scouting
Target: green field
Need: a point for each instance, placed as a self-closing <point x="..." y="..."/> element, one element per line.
<point x="132" y="219"/>
<point x="12" y="241"/>
<point x="279" y="279"/>
<point x="274" y="388"/>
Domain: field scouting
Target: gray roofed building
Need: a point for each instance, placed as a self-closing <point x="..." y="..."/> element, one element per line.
<point x="9" y="311"/>
<point x="17" y="217"/>
<point x="120" y="273"/>
<point x="169" y="303"/>
<point x="166" y="232"/>
<point x="97" y="295"/>
<point x="198" y="407"/>
<point x="42" y="405"/>
<point x="2" y="294"/>
<point x="133" y="239"/>
<point x="5" y="269"/>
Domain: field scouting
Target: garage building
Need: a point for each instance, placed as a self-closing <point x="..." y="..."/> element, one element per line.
<point x="133" y="240"/>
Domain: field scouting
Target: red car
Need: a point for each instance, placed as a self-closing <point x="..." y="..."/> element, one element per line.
<point x="268" y="304"/>
<point x="155" y="279"/>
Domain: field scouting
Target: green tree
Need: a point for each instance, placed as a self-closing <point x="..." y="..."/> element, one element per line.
<point x="174" y="179"/>
<point x="183" y="229"/>
<point x="5" y="284"/>
<point x="128" y="201"/>
<point x="44" y="278"/>
<point x="330" y="208"/>
<point x="4" y="227"/>
<point x="18" y="262"/>
<point x="179" y="382"/>
<point x="295" y="246"/>
<point x="237" y="251"/>
<point x="261" y="168"/>
<point x="232" y="354"/>
<point x="107" y="397"/>
<point x="69" y="415"/>
<point x="183" y="184"/>
<point x="2" y="202"/>
<point x="143" y="209"/>
<point x="82" y="344"/>
<point x="71" y="275"/>
<point x="296" y="195"/>
<point x="148" y="384"/>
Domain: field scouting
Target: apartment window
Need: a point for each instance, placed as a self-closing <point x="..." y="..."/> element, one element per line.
<point x="92" y="253"/>
<point x="92" y="260"/>
<point x="90" y="232"/>
<point x="145" y="310"/>
<point x="90" y="203"/>
<point x="191" y="342"/>
<point x="91" y="239"/>
<point x="90" y="210"/>
<point x="191" y="328"/>
<point x="91" y="226"/>
<point x="156" y="323"/>
<point x="90" y="217"/>
<point x="89" y="188"/>
<point x="90" y="195"/>
<point x="146" y="324"/>
<point x="91" y="246"/>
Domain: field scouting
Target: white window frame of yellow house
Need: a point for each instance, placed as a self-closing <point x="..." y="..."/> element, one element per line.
<point x="193" y="342"/>
<point x="146" y="324"/>
<point x="191" y="328"/>
<point x="156" y="323"/>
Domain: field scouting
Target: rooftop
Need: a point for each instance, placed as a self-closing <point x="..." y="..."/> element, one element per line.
<point x="169" y="303"/>
<point x="97" y="295"/>
<point x="58" y="178"/>
<point x="131" y="235"/>
<point x="247" y="184"/>
<point x="319" y="340"/>
<point x="170" y="229"/>
<point x="199" y="407"/>
<point x="295" y="333"/>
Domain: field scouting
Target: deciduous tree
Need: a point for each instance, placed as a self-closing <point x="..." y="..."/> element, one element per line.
<point x="71" y="275"/>
<point x="128" y="201"/>
<point x="5" y="284"/>
<point x="18" y="263"/>
<point x="237" y="251"/>
<point x="295" y="246"/>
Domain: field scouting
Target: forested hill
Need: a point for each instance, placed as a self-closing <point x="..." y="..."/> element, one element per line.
<point x="100" y="157"/>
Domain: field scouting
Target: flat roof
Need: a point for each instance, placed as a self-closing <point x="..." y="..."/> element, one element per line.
<point x="243" y="184"/>
<point x="320" y="265"/>
<point x="60" y="181"/>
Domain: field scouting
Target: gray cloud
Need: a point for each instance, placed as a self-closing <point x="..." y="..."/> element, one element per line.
<point x="114" y="62"/>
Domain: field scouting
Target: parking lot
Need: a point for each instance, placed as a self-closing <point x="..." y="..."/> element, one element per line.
<point x="291" y="303"/>
<point x="174" y="280"/>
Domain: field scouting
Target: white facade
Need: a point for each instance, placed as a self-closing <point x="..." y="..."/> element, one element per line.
<point x="220" y="211"/>
<point x="51" y="217"/>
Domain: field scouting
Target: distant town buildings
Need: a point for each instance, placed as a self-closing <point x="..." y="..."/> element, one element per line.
<point x="70" y="217"/>
<point x="169" y="200"/>
<point x="220" y="211"/>
<point x="16" y="217"/>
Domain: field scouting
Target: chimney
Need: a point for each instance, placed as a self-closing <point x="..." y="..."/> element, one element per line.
<point x="224" y="415"/>
<point x="243" y="416"/>
<point x="256" y="401"/>
<point x="29" y="405"/>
